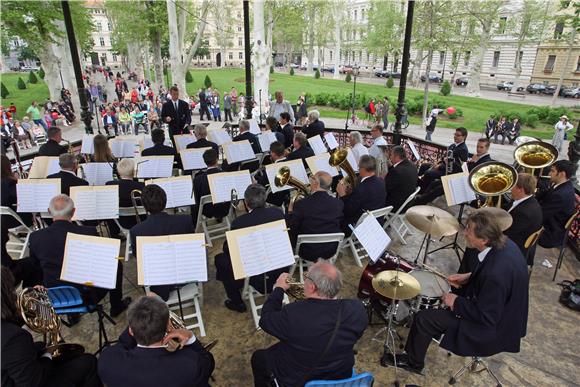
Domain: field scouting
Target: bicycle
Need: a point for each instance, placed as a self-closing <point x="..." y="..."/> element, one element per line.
<point x="404" y="123"/>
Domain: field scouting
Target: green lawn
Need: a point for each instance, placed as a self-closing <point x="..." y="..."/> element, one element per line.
<point x="23" y="98"/>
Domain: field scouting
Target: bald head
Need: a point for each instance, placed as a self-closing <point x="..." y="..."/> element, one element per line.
<point x="327" y="279"/>
<point x="322" y="181"/>
<point x="61" y="207"/>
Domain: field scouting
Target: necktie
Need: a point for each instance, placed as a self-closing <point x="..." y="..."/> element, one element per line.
<point x="175" y="105"/>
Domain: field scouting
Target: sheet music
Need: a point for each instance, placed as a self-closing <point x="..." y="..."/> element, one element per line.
<point x="331" y="140"/>
<point x="97" y="173"/>
<point x="88" y="146"/>
<point x="154" y="166"/>
<point x="320" y="163"/>
<point x="43" y="166"/>
<point x="259" y="249"/>
<point x="193" y="158"/>
<point x="457" y="189"/>
<point x="148" y="142"/>
<point x="372" y="237"/>
<point x="172" y="259"/>
<point x="317" y="145"/>
<point x="266" y="138"/>
<point x="414" y="150"/>
<point x="352" y="160"/>
<point x="238" y="151"/>
<point x="297" y="171"/>
<point x="124" y="147"/>
<point x="221" y="185"/>
<point x="96" y="202"/>
<point x="90" y="260"/>
<point x="183" y="140"/>
<point x="35" y="195"/>
<point x="219" y="136"/>
<point x="254" y="127"/>
<point x="179" y="190"/>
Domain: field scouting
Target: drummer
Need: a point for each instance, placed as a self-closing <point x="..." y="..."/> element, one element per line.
<point x="490" y="317"/>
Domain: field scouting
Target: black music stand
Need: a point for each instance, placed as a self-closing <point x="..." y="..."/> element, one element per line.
<point x="453" y="245"/>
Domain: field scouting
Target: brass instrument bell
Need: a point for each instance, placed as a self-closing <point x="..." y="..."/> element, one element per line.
<point x="492" y="179"/>
<point x="339" y="158"/>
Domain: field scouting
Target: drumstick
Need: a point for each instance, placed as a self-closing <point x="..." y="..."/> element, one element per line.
<point x="435" y="271"/>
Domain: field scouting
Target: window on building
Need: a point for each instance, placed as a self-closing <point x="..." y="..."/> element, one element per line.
<point x="240" y="55"/>
<point x="368" y="56"/>
<point x="231" y="55"/>
<point x="550" y="63"/>
<point x="518" y="61"/>
<point x="239" y="28"/>
<point x="502" y="25"/>
<point x="208" y="57"/>
<point x="362" y="14"/>
<point x="466" y="58"/>
<point x="454" y="57"/>
<point x="355" y="14"/>
<point x="109" y="26"/>
<point x="240" y="42"/>
<point x="98" y="26"/>
<point x="330" y="52"/>
<point x="102" y="41"/>
<point x="441" y="58"/>
<point x="360" y="55"/>
<point x="558" y="30"/>
<point x="578" y="65"/>
<point x="495" y="61"/>
<point x="114" y="57"/>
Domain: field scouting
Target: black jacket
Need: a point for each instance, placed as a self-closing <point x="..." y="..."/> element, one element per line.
<point x="460" y="155"/>
<point x="481" y="160"/>
<point x="400" y="183"/>
<point x="493" y="307"/>
<point x="288" y="132"/>
<point x="314" y="129"/>
<point x="52" y="148"/>
<point x="301" y="153"/>
<point x="67" y="180"/>
<point x="203" y="143"/>
<point x="126" y="365"/>
<point x="161" y="224"/>
<point x="179" y="119"/>
<point x="252" y="138"/>
<point x="304" y="338"/>
<point x="159" y="150"/>
<point x="526" y="219"/>
<point x="200" y="189"/>
<point x="47" y="246"/>
<point x="318" y="213"/>
<point x="558" y="205"/>
<point x="126" y="186"/>
<point x="367" y="196"/>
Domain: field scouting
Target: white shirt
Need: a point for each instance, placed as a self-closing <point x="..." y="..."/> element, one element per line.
<point x="394" y="165"/>
<point x="364" y="178"/>
<point x="359" y="150"/>
<point x="516" y="202"/>
<point x="563" y="126"/>
<point x="482" y="254"/>
<point x="374" y="150"/>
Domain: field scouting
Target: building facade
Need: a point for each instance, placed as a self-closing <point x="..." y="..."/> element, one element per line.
<point x="102" y="53"/>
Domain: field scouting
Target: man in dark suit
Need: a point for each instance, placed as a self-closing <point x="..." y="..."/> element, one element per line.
<point x="141" y="359"/>
<point x="490" y="313"/>
<point x="318" y="213"/>
<point x="200" y="132"/>
<point x="278" y="199"/>
<point x="301" y="149"/>
<point x="47" y="247"/>
<point x="176" y="113"/>
<point x="52" y="147"/>
<point x="401" y="181"/>
<point x="203" y="106"/>
<point x="526" y="213"/>
<point x="67" y="175"/>
<point x="558" y="204"/>
<point x="315" y="127"/>
<point x="109" y="122"/>
<point x="159" y="148"/>
<point x="369" y="194"/>
<point x="482" y="154"/>
<point x="287" y="129"/>
<point x="246" y="135"/>
<point x="159" y="223"/>
<point x="201" y="188"/>
<point x="127" y="184"/>
<point x="317" y="335"/>
<point x="255" y="200"/>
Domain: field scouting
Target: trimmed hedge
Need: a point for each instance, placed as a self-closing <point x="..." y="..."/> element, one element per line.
<point x="207" y="81"/>
<point x="21" y="85"/>
<point x="4" y="92"/>
<point x="32" y="78"/>
<point x="188" y="77"/>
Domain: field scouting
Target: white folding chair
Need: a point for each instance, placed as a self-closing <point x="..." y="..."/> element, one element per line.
<point x="251" y="294"/>
<point x="128" y="211"/>
<point x="19" y="246"/>
<point x="358" y="251"/>
<point x="211" y="231"/>
<point x="304" y="239"/>
<point x="402" y="229"/>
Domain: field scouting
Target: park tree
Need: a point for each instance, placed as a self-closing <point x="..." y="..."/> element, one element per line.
<point x="223" y="10"/>
<point x="570" y="22"/>
<point x="260" y="55"/>
<point x="20" y="84"/>
<point x="41" y="73"/>
<point x="32" y="77"/>
<point x="386" y="23"/>
<point x="188" y="77"/>
<point x="287" y="34"/>
<point x="4" y="91"/>
<point x="465" y="40"/>
<point x="324" y="28"/>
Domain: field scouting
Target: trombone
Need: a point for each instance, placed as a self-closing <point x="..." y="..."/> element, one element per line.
<point x="136" y="195"/>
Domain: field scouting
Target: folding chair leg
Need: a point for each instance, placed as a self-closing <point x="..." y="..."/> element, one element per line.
<point x="354" y="253"/>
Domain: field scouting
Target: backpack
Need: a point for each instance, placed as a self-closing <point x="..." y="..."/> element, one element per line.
<point x="570" y="295"/>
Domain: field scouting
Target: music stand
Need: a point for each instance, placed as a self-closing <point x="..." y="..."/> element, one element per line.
<point x="453" y="245"/>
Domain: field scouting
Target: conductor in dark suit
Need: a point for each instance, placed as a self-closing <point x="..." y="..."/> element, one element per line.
<point x="315" y="127"/>
<point x="159" y="223"/>
<point x="318" y="213"/>
<point x="140" y="358"/>
<point x="47" y="247"/>
<point x="301" y="149"/>
<point x="369" y="194"/>
<point x="401" y="181"/>
<point x="317" y="335"/>
<point x="176" y="113"/>
<point x="558" y="203"/>
<point x="255" y="200"/>
<point x="23" y="364"/>
<point x="200" y="132"/>
<point x="201" y="189"/>
<point x="482" y="154"/>
<point x="490" y="312"/>
<point x="67" y="175"/>
<point x="127" y="184"/>
<point x="52" y="147"/>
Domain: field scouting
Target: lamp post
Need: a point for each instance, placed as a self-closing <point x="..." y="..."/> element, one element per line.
<point x="247" y="54"/>
<point x="355" y="73"/>
<point x="401" y="110"/>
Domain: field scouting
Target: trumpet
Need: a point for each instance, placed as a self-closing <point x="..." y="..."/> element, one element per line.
<point x="177" y="323"/>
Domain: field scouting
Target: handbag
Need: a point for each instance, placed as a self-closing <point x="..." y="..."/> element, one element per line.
<point x="570" y="294"/>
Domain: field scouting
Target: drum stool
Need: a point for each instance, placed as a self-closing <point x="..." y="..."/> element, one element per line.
<point x="472" y="366"/>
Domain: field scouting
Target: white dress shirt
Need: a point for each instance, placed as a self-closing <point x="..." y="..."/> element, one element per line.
<point x="359" y="150"/>
<point x="516" y="202"/>
<point x="374" y="150"/>
<point x="483" y="253"/>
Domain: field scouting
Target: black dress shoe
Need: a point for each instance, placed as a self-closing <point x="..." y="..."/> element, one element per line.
<point x="402" y="362"/>
<point x="116" y="311"/>
<point x="73" y="319"/>
<point x="240" y="308"/>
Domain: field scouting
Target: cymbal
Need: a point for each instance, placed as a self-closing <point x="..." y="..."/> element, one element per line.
<point x="432" y="220"/>
<point x="500" y="215"/>
<point x="396" y="285"/>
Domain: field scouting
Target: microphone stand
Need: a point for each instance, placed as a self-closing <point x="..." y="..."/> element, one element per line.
<point x="260" y="100"/>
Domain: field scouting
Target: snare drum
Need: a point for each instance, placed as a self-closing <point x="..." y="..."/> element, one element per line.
<point x="432" y="289"/>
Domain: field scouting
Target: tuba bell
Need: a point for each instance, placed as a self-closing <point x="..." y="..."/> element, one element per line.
<point x="283" y="177"/>
<point x="339" y="158"/>
<point x="534" y="155"/>
<point x="39" y="315"/>
<point x="492" y="179"/>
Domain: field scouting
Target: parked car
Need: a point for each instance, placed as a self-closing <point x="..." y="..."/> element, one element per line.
<point x="573" y="92"/>
<point x="279" y="64"/>
<point x="461" y="81"/>
<point x="327" y="69"/>
<point x="29" y="68"/>
<point x="396" y="75"/>
<point x="381" y="73"/>
<point x="305" y="67"/>
<point x="345" y="70"/>
<point x="294" y="65"/>
<point x="432" y="78"/>
<point x="551" y="89"/>
<point x="507" y="86"/>
<point x="535" y="88"/>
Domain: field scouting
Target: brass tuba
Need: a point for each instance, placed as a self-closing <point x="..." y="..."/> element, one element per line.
<point x="492" y="179"/>
<point x="339" y="158"/>
<point x="283" y="177"/>
<point x="534" y="155"/>
<point x="39" y="315"/>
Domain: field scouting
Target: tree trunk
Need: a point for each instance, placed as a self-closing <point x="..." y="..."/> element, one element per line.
<point x="426" y="90"/>
<point x="473" y="88"/>
<point x="157" y="60"/>
<point x="455" y="66"/>
<point x="260" y="57"/>
<point x="337" y="41"/>
<point x="177" y="71"/>
<point x="416" y="69"/>
<point x="566" y="64"/>
<point x="269" y="36"/>
<point x="310" y="51"/>
<point x="51" y="69"/>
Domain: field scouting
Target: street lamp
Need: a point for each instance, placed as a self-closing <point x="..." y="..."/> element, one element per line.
<point x="355" y="73"/>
